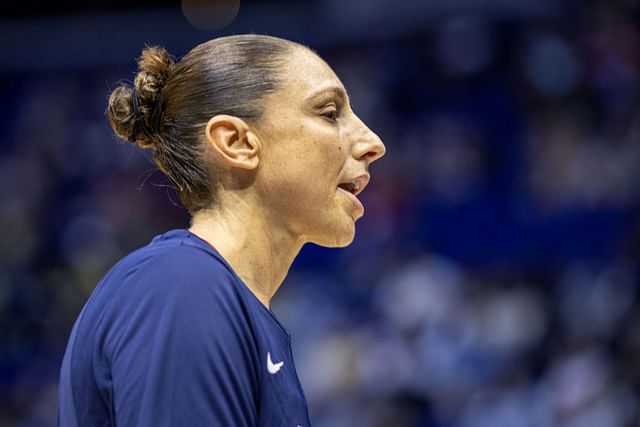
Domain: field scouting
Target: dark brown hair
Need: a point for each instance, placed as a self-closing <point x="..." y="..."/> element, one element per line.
<point x="171" y="101"/>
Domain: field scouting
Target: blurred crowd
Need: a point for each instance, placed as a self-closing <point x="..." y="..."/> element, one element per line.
<point x="494" y="278"/>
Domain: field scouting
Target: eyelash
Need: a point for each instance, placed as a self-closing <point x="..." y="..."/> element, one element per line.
<point x="331" y="115"/>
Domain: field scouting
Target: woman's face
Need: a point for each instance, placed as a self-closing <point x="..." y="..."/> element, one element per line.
<point x="316" y="154"/>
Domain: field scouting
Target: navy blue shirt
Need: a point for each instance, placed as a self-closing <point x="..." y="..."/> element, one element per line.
<point x="172" y="337"/>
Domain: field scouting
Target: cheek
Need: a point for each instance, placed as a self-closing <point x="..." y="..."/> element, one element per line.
<point x="318" y="159"/>
<point x="324" y="168"/>
<point x="305" y="165"/>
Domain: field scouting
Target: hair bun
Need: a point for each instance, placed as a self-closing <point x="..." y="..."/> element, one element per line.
<point x="136" y="113"/>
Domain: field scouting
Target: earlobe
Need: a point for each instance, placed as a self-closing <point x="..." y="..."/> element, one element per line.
<point x="231" y="139"/>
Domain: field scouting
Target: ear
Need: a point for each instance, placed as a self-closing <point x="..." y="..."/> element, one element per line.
<point x="233" y="141"/>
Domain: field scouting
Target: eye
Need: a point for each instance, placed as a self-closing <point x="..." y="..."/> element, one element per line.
<point x="331" y="115"/>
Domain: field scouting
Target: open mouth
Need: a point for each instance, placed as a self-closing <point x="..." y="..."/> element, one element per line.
<point x="349" y="186"/>
<point x="355" y="185"/>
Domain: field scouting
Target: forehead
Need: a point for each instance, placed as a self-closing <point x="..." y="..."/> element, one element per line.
<point x="305" y="74"/>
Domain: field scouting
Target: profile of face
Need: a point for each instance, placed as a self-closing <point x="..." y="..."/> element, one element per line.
<point x="311" y="155"/>
<point x="316" y="153"/>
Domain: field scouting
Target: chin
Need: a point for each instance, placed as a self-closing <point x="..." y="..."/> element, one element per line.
<point x="337" y="238"/>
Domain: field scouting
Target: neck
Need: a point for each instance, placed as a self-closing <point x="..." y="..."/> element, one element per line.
<point x="258" y="250"/>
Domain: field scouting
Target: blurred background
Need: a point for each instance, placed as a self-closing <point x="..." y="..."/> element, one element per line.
<point x="494" y="278"/>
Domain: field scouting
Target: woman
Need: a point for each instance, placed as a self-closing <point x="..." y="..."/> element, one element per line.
<point x="258" y="137"/>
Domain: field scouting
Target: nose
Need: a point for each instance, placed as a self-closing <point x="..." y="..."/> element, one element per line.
<point x="367" y="145"/>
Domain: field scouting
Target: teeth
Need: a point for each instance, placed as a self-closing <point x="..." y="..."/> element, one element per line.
<point x="349" y="186"/>
<point x="352" y="187"/>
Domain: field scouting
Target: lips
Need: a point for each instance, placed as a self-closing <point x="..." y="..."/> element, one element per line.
<point x="354" y="186"/>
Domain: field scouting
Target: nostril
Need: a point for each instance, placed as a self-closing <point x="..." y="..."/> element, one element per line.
<point x="380" y="150"/>
<point x="371" y="149"/>
<point x="375" y="153"/>
<point x="372" y="155"/>
<point x="367" y="145"/>
<point x="369" y="152"/>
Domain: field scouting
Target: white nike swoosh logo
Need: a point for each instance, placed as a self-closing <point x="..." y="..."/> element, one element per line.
<point x="273" y="367"/>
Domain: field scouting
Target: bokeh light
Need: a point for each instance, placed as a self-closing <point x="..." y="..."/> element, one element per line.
<point x="210" y="15"/>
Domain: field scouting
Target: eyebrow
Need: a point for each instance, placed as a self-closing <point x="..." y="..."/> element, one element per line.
<point x="336" y="90"/>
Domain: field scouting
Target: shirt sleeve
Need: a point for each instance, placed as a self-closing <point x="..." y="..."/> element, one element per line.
<point x="179" y="350"/>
